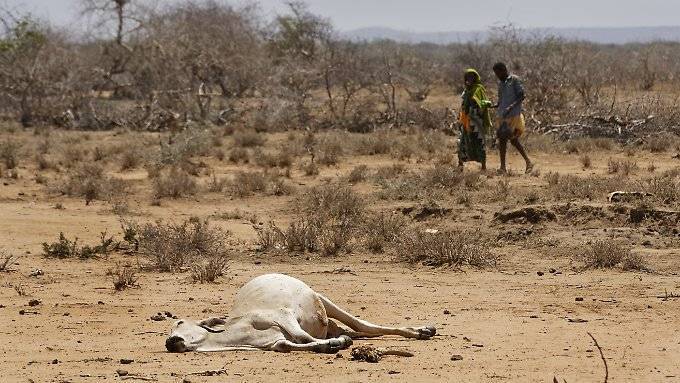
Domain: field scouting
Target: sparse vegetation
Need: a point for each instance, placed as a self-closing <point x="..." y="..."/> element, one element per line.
<point x="90" y="182"/>
<point x="382" y="229"/>
<point x="6" y="260"/>
<point x="9" y="153"/>
<point x="446" y="248"/>
<point x="123" y="277"/>
<point x="173" y="182"/>
<point x="207" y="271"/>
<point x="606" y="255"/>
<point x="172" y="247"/>
<point x="65" y="248"/>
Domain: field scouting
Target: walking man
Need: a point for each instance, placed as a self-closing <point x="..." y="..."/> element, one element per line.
<point x="509" y="118"/>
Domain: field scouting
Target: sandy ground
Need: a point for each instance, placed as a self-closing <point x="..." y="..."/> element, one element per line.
<point x="508" y="324"/>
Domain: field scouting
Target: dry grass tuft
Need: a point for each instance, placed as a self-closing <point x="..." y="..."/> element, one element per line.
<point x="624" y="168"/>
<point x="382" y="229"/>
<point x="327" y="219"/>
<point x="171" y="247"/>
<point x="606" y="255"/>
<point x="446" y="248"/>
<point x="89" y="181"/>
<point x="209" y="270"/>
<point x="123" y="277"/>
<point x="6" y="260"/>
<point x="248" y="138"/>
<point x="64" y="248"/>
<point x="173" y="182"/>
<point x="9" y="153"/>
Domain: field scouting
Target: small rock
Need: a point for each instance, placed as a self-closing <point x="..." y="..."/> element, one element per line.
<point x="186" y="380"/>
<point x="126" y="361"/>
<point x="33" y="302"/>
<point x="533" y="316"/>
<point x="258" y="262"/>
<point x="540" y="273"/>
<point x="100" y="303"/>
<point x="191" y="299"/>
<point x="55" y="361"/>
<point x="447" y="312"/>
<point x="36" y="273"/>
<point x="122" y="373"/>
<point x="67" y="314"/>
<point x="467" y="339"/>
<point x="393" y="372"/>
<point x="339" y="356"/>
<point x="22" y="312"/>
<point x="158" y="317"/>
<point x="477" y="345"/>
<point x="647" y="243"/>
<point x="579" y="299"/>
<point x="552" y="271"/>
<point x="456" y="358"/>
<point x="365" y="260"/>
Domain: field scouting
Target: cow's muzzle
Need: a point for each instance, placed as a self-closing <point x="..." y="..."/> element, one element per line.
<point x="175" y="344"/>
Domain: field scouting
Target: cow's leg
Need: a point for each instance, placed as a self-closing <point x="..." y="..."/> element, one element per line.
<point x="297" y="339"/>
<point x="328" y="346"/>
<point x="367" y="329"/>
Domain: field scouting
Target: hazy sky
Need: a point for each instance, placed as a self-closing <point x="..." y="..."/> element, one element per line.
<point x="443" y="15"/>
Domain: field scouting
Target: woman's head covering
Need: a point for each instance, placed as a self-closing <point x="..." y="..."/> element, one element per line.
<point x="478" y="78"/>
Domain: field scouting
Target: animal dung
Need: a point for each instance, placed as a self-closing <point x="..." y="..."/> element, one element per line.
<point x="368" y="354"/>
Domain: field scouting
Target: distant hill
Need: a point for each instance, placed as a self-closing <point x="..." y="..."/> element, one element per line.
<point x="597" y="35"/>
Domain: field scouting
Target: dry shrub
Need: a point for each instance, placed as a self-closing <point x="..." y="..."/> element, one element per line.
<point x="380" y="142"/>
<point x="604" y="254"/>
<point x="247" y="183"/>
<point x="501" y="191"/>
<point x="570" y="187"/>
<point x="624" y="168"/>
<point x="586" y="161"/>
<point x="72" y="156"/>
<point x="382" y="229"/>
<point x="327" y="219"/>
<point x="658" y="143"/>
<point x="310" y="169"/>
<point x="237" y="215"/>
<point x="239" y="155"/>
<point x="248" y="138"/>
<point x="171" y="247"/>
<point x="384" y="173"/>
<point x="64" y="248"/>
<point x="446" y="248"/>
<point x="43" y="162"/>
<point x="9" y="153"/>
<point x="358" y="174"/>
<point x="430" y="142"/>
<point x="6" y="260"/>
<point x="216" y="185"/>
<point x="123" y="277"/>
<point x="173" y="182"/>
<point x="207" y="271"/>
<point x="89" y="181"/>
<point x="665" y="188"/>
<point x="329" y="150"/>
<point x="131" y="157"/>
<point x="180" y="148"/>
<point x="433" y="182"/>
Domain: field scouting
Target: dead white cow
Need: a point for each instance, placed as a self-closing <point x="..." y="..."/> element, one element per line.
<point x="280" y="313"/>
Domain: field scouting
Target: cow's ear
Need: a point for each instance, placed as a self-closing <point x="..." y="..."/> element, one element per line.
<point x="212" y="322"/>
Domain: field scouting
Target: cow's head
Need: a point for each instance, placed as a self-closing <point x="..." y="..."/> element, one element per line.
<point x="188" y="335"/>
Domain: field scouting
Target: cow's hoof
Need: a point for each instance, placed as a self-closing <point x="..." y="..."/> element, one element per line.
<point x="340" y="343"/>
<point x="425" y="333"/>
